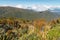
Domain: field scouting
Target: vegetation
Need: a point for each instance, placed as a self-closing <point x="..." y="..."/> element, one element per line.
<point x="54" y="33"/>
<point x="23" y="24"/>
<point x="20" y="29"/>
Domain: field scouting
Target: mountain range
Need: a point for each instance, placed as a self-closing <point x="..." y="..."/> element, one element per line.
<point x="27" y="14"/>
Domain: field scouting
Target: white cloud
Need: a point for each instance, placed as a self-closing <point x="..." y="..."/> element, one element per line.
<point x="21" y="6"/>
<point x="34" y="7"/>
<point x="39" y="7"/>
<point x="4" y="5"/>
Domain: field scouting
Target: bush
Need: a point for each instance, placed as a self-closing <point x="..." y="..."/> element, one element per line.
<point x="54" y="33"/>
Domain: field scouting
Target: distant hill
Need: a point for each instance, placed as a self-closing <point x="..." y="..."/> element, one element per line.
<point x="26" y="14"/>
<point x="55" y="10"/>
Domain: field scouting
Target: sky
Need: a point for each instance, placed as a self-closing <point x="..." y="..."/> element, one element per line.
<point x="39" y="5"/>
<point x="48" y="2"/>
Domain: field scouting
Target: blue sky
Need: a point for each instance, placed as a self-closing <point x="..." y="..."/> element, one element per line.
<point x="46" y="2"/>
<point x="34" y="4"/>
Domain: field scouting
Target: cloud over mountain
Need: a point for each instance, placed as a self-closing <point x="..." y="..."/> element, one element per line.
<point x="34" y="7"/>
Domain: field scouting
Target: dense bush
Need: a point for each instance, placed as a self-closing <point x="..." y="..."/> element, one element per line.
<point x="54" y="33"/>
<point x="20" y="29"/>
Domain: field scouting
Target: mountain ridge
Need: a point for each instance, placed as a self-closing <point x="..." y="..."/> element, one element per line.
<point x="26" y="13"/>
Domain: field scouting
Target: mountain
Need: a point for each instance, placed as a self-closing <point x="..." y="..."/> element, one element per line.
<point x="26" y="13"/>
<point x="57" y="10"/>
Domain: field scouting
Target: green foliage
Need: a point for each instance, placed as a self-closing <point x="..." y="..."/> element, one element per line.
<point x="54" y="33"/>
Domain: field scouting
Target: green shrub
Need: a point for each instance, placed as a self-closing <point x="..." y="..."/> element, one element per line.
<point x="54" y="33"/>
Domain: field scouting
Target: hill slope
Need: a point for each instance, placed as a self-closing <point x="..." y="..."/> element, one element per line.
<point x="26" y="14"/>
